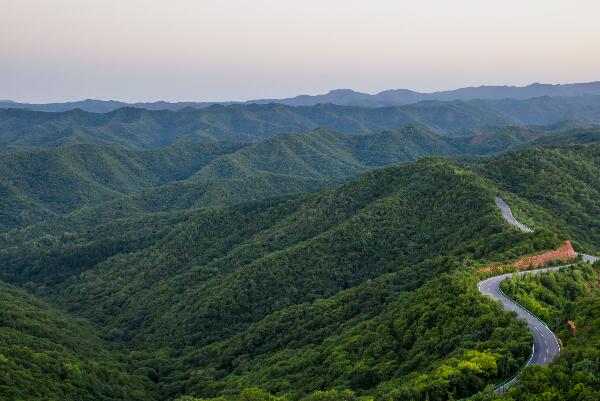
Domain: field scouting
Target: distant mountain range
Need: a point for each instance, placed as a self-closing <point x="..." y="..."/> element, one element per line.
<point x="343" y="97"/>
<point x="143" y="129"/>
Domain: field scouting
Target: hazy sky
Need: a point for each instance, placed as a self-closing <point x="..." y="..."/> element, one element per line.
<point x="140" y="50"/>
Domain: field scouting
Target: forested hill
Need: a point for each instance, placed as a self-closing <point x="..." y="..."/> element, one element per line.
<point x="558" y="187"/>
<point x="568" y="300"/>
<point x="230" y="272"/>
<point x="139" y="128"/>
<point x="37" y="185"/>
<point x="366" y="287"/>
<point x="92" y="181"/>
<point x="326" y="154"/>
<point x="570" y="137"/>
<point x="48" y="355"/>
<point x="209" y="268"/>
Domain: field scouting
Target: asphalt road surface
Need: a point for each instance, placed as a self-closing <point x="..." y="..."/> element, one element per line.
<point x="588" y="258"/>
<point x="545" y="344"/>
<point x="510" y="219"/>
<point x="508" y="216"/>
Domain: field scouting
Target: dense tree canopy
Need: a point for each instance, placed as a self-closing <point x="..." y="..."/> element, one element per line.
<point x="292" y="268"/>
<point x="47" y="355"/>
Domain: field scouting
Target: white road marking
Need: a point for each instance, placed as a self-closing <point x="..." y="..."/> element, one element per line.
<point x="491" y="287"/>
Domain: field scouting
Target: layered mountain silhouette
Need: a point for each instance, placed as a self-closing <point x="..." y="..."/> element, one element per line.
<point x="343" y="97"/>
<point x="141" y="129"/>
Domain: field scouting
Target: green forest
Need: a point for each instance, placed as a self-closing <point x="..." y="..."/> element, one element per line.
<point x="257" y="253"/>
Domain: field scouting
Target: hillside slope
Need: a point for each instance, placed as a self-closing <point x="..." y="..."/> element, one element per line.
<point x="221" y="272"/>
<point x="367" y="286"/>
<point x="325" y="154"/>
<point x="47" y="355"/>
<point x="297" y="252"/>
<point x="38" y="185"/>
<point x="568" y="301"/>
<point x="553" y="188"/>
<point x="171" y="198"/>
<point x="87" y="182"/>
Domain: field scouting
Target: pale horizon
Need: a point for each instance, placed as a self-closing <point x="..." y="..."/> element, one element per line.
<point x="186" y="50"/>
<point x="292" y="95"/>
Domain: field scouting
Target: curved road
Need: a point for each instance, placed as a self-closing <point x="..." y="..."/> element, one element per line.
<point x="545" y="343"/>
<point x="508" y="216"/>
<point x="510" y="219"/>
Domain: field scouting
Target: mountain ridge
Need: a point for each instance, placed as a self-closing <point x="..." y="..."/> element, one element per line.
<point x="345" y="97"/>
<point x="109" y="181"/>
<point x="143" y="129"/>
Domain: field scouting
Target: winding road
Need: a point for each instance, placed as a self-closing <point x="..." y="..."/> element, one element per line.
<point x="508" y="216"/>
<point x="545" y="343"/>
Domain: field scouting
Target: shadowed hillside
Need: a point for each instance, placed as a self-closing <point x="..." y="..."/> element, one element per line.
<point x="93" y="183"/>
<point x="38" y="185"/>
<point x="47" y="355"/>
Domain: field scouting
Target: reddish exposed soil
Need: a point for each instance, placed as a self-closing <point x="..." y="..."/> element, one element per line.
<point x="565" y="252"/>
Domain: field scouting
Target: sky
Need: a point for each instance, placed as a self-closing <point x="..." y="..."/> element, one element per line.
<point x="218" y="50"/>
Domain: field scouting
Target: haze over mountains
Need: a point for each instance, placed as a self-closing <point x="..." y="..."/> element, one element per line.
<point x="141" y="129"/>
<point x="344" y="97"/>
